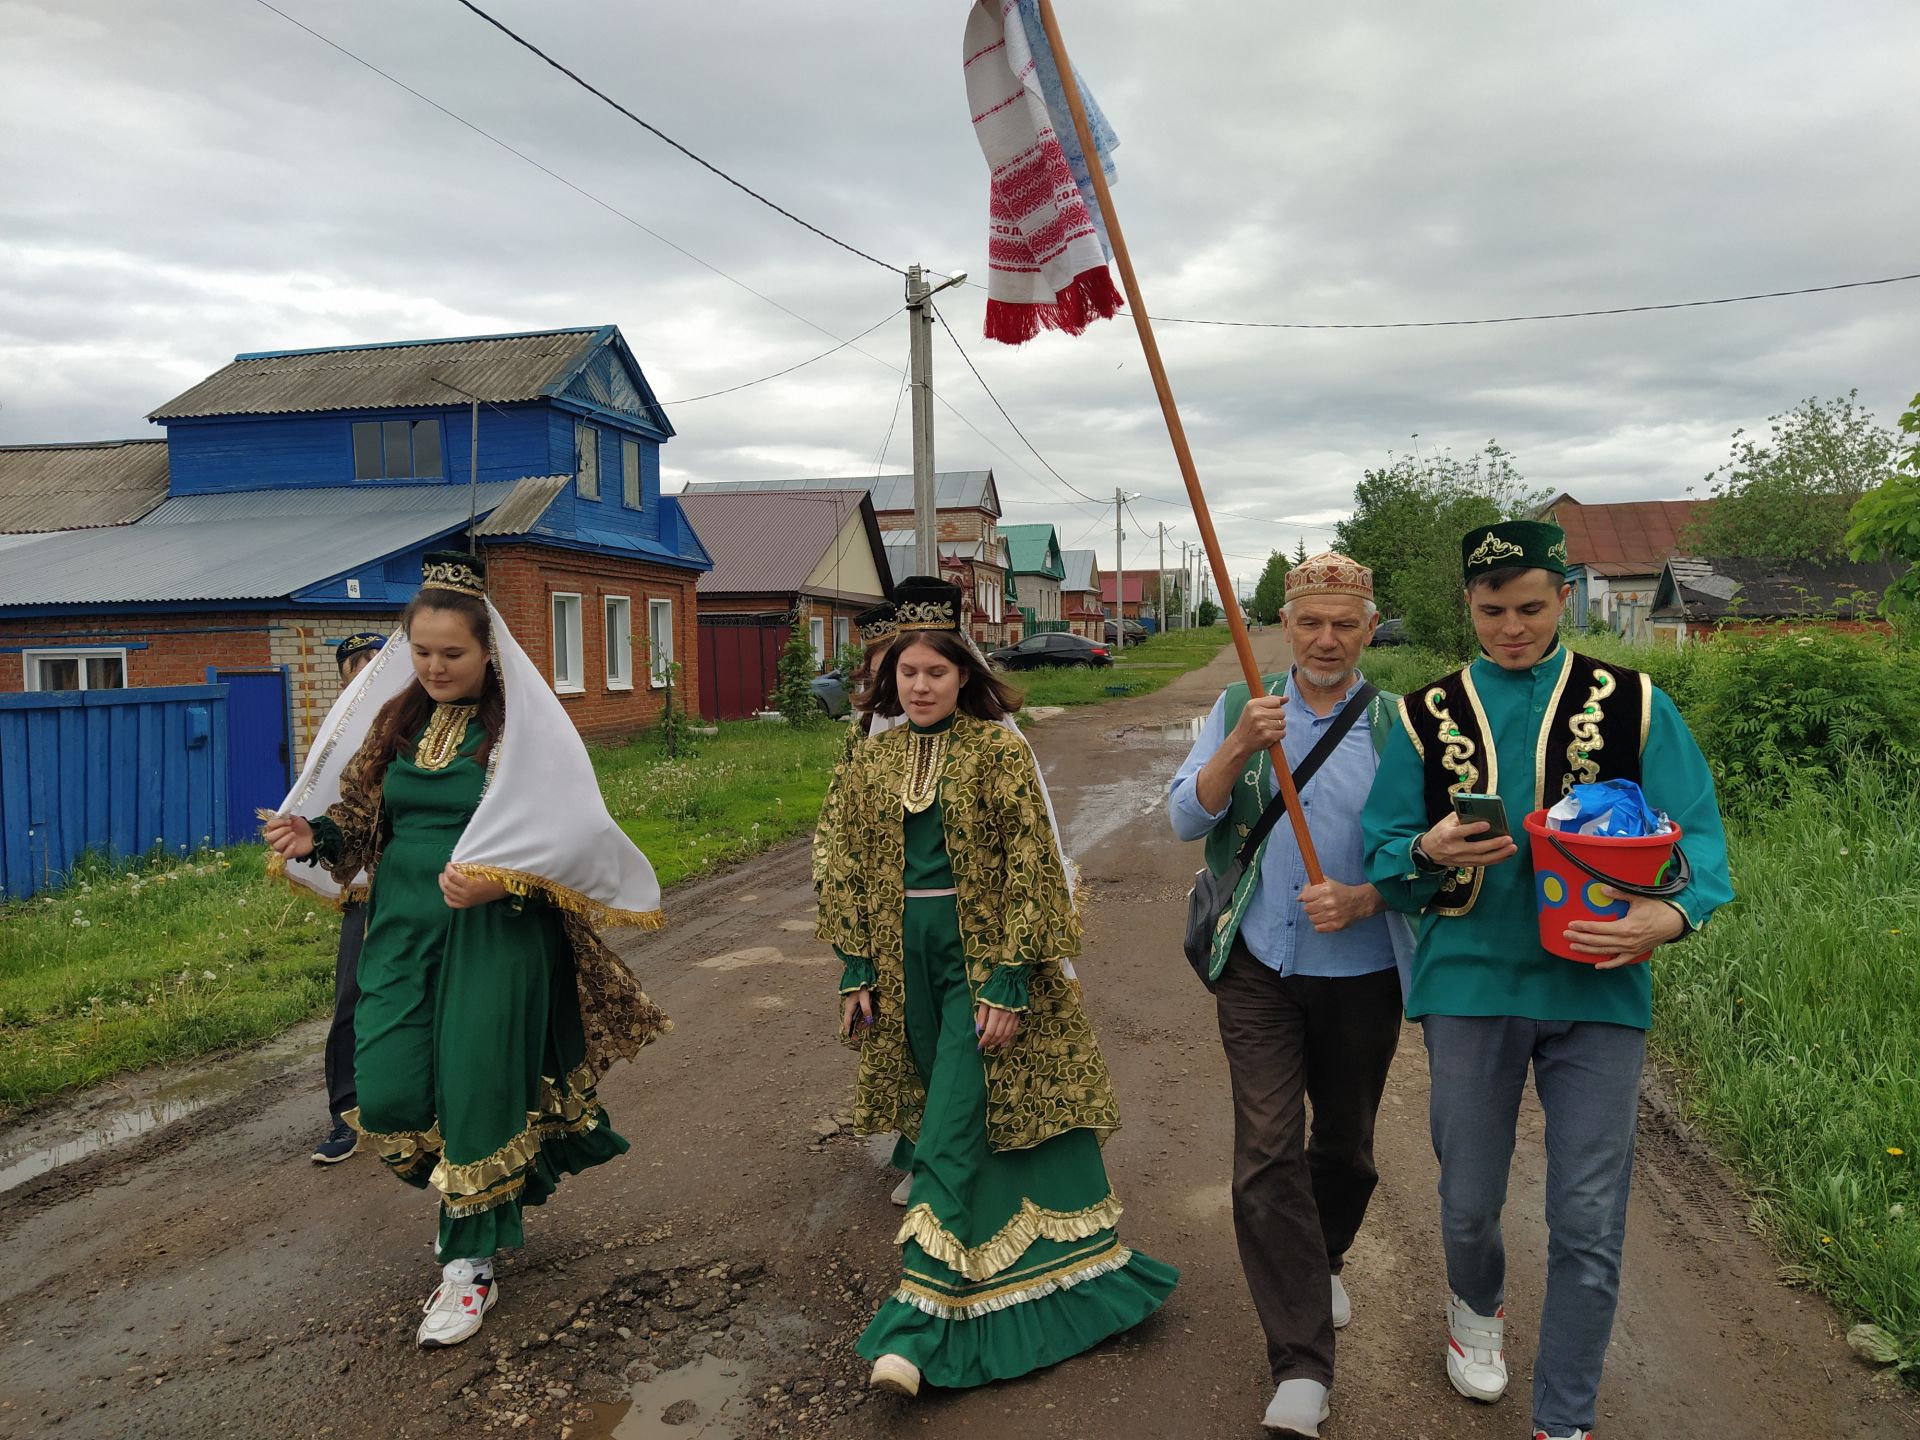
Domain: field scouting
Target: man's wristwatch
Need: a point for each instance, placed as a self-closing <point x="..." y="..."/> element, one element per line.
<point x="1421" y="860"/>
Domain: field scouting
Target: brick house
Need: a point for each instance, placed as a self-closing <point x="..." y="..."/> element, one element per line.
<point x="1080" y="593"/>
<point x="781" y="558"/>
<point x="973" y="553"/>
<point x="301" y="489"/>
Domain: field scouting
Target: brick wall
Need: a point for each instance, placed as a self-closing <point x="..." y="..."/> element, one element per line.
<point x="161" y="649"/>
<point x="523" y="580"/>
<point x="304" y="644"/>
<point x="953" y="524"/>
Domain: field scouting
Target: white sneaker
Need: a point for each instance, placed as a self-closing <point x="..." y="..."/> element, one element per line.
<point x="1476" y="1351"/>
<point x="456" y="1305"/>
<point x="1342" y="1306"/>
<point x="1297" y="1408"/>
<point x="895" y="1373"/>
<point x="903" y="1191"/>
<point x="1570" y="1435"/>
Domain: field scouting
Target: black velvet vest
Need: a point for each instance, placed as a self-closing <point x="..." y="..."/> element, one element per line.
<point x="1596" y="728"/>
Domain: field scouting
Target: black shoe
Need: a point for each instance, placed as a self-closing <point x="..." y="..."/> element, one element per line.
<point x="341" y="1142"/>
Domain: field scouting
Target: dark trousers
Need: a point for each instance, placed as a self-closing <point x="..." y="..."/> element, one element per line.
<point x="341" y="1093"/>
<point x="1299" y="1196"/>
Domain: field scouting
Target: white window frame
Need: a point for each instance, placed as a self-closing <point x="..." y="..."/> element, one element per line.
<point x="586" y="460"/>
<point x="659" y="629"/>
<point x="842" y="634"/>
<point x="817" y="639"/>
<point x="574" y="680"/>
<point x="633" y="484"/>
<point x="31" y="668"/>
<point x="616" y="612"/>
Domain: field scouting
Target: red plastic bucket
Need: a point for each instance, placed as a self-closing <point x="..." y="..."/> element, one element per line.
<point x="1564" y="892"/>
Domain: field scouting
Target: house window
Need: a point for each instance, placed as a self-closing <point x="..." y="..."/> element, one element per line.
<point x="568" y="661"/>
<point x="619" y="642"/>
<point x="817" y="637"/>
<point x="630" y="473"/>
<point x="659" y="640"/>
<point x="76" y="669"/>
<point x="842" y="633"/>
<point x="586" y="460"/>
<point x="396" y="450"/>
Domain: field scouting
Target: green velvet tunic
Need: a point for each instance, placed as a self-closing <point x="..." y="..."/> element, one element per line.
<point x="470" y="1053"/>
<point x="1490" y="961"/>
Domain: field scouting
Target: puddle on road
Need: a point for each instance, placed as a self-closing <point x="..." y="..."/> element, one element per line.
<point x="1185" y="731"/>
<point x="112" y="1116"/>
<point x="706" y="1400"/>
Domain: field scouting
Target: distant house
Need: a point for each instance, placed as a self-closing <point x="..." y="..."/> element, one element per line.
<point x="1037" y="573"/>
<point x="1135" y="594"/>
<point x="1696" y="599"/>
<point x="1616" y="553"/>
<point x="780" y="558"/>
<point x="1080" y="593"/>
<point x="292" y="499"/>
<point x="973" y="554"/>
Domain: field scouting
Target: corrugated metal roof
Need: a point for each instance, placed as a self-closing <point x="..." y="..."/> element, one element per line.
<point x="524" y="505"/>
<point x="500" y="369"/>
<point x="767" y="542"/>
<point x="1643" y="533"/>
<point x="256" y="545"/>
<point x="68" y="487"/>
<point x="1032" y="549"/>
<point x="953" y="489"/>
<point x="1080" y="565"/>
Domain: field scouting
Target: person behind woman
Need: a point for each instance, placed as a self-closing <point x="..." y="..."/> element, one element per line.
<point x="942" y="891"/>
<point x="488" y="1007"/>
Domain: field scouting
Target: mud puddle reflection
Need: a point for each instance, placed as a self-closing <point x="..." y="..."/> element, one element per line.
<point x="704" y="1400"/>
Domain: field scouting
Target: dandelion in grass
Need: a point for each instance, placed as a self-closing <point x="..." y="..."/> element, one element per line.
<point x="1895" y="1150"/>
<point x="1826" y="1239"/>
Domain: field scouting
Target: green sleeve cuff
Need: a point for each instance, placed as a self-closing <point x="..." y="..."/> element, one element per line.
<point x="326" y="840"/>
<point x="856" y="973"/>
<point x="1006" y="988"/>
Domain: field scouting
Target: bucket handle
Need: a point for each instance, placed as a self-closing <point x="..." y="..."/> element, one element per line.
<point x="1681" y="877"/>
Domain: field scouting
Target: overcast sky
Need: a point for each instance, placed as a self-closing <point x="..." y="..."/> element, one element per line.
<point x="189" y="180"/>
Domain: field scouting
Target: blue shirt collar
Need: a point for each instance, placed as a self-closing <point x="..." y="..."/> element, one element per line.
<point x="1294" y="697"/>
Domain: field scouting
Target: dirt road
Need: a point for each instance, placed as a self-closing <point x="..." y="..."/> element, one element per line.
<point x="208" y="1280"/>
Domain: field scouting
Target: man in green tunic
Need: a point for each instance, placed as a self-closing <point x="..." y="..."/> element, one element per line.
<point x="1527" y="720"/>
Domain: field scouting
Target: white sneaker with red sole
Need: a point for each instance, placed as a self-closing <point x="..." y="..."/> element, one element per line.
<point x="1565" y="1435"/>
<point x="1476" y="1351"/>
<point x="456" y="1306"/>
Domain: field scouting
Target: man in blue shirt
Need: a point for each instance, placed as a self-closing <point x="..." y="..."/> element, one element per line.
<point x="1309" y="999"/>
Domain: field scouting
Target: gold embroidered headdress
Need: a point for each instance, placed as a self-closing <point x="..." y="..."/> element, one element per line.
<point x="878" y="624"/>
<point x="454" y="570"/>
<point x="925" y="603"/>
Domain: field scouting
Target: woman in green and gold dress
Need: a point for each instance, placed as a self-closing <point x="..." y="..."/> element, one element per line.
<point x="473" y="1065"/>
<point x="942" y="891"/>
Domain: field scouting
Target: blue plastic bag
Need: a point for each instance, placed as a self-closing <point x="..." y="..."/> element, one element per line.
<point x="1613" y="808"/>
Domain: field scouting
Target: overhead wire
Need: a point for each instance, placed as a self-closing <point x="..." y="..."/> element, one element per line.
<point x="880" y="459"/>
<point x="748" y="384"/>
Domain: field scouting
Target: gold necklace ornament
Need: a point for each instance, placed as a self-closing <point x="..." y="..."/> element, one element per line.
<point x="444" y="734"/>
<point x="926" y="758"/>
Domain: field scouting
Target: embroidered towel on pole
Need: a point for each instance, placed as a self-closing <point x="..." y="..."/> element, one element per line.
<point x="1046" y="248"/>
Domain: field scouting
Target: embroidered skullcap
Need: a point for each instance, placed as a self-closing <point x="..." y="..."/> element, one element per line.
<point x="1513" y="544"/>
<point x="453" y="570"/>
<point x="1329" y="573"/>
<point x="924" y="603"/>
<point x="882" y="622"/>
<point x="361" y="642"/>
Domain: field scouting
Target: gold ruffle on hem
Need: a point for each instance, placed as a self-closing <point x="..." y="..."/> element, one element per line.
<point x="598" y="913"/>
<point x="517" y="1154"/>
<point x="931" y="1302"/>
<point x="1029" y="1223"/>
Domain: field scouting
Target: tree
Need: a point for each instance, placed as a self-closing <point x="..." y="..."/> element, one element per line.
<point x="1300" y="550"/>
<point x="793" y="691"/>
<point x="1886" y="520"/>
<point x="1406" y="525"/>
<point x="1207" y="613"/>
<point x="1271" y="593"/>
<point x="1789" y="497"/>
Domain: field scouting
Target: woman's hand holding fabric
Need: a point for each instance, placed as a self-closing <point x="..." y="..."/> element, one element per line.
<point x="464" y="892"/>
<point x="995" y="1027"/>
<point x="289" y="836"/>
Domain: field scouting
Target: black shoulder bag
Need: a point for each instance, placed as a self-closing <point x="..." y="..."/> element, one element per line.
<point x="1212" y="895"/>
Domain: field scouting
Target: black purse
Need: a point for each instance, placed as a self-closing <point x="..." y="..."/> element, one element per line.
<point x="1210" y="902"/>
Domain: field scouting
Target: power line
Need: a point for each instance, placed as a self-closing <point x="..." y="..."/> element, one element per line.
<point x="880" y="459"/>
<point x="746" y="384"/>
<point x="660" y="134"/>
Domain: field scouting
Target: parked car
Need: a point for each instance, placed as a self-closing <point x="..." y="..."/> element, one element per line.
<point x="1057" y="647"/>
<point x="1136" y="632"/>
<point x="1390" y="632"/>
<point x="830" y="694"/>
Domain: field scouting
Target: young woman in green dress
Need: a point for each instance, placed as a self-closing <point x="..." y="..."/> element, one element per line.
<point x="941" y="889"/>
<point x="475" y="1068"/>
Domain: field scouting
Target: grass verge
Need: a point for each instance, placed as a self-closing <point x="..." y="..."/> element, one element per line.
<point x="1141" y="669"/>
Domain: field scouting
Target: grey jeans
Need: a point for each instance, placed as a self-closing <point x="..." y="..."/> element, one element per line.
<point x="1587" y="1075"/>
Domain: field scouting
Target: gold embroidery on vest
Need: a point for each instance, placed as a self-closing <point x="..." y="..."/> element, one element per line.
<point x="443" y="736"/>
<point x="926" y="758"/>
<point x="1582" y="768"/>
<point x="1457" y="751"/>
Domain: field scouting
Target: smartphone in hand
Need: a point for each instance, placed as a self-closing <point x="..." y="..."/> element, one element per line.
<point x="1468" y="807"/>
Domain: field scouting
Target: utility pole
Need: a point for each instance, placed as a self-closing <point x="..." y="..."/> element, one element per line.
<point x="1160" y="580"/>
<point x="1119" y="575"/>
<point x="926" y="523"/>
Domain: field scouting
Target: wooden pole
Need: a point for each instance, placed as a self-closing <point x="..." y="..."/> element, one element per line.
<point x="1236" y="624"/>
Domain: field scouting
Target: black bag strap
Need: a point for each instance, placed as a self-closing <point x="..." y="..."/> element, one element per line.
<point x="1303" y="772"/>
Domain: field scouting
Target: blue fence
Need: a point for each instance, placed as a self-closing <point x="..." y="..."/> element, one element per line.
<point x="114" y="771"/>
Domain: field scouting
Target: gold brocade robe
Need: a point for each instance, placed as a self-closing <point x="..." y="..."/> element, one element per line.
<point x="1014" y="908"/>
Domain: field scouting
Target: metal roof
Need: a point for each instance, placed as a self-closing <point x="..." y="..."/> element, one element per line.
<point x="255" y="545"/>
<point x="770" y="542"/>
<point x="1080" y="566"/>
<point x="1641" y="533"/>
<point x="524" y="505"/>
<point x="953" y="489"/>
<point x="499" y="369"/>
<point x="1744" y="588"/>
<point x="68" y="487"/>
<point x="1033" y="550"/>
